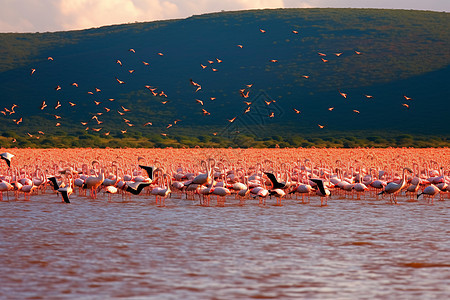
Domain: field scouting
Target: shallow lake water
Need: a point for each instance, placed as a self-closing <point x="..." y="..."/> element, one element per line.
<point x="132" y="249"/>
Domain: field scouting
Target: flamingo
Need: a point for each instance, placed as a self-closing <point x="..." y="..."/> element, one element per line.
<point x="343" y="94"/>
<point x="323" y="192"/>
<point x="393" y="188"/>
<point x="275" y="183"/>
<point x="429" y="192"/>
<point x="303" y="189"/>
<point x="279" y="194"/>
<point x="136" y="187"/>
<point x="93" y="182"/>
<point x="221" y="192"/>
<point x="5" y="187"/>
<point x="67" y="190"/>
<point x="6" y="156"/>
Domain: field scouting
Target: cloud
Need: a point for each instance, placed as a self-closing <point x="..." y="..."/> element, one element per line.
<point x="94" y="13"/>
<point x="55" y="15"/>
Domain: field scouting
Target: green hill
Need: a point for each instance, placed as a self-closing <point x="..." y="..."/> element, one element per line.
<point x="386" y="54"/>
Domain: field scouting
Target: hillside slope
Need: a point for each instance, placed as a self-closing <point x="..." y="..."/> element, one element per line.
<point x="294" y="59"/>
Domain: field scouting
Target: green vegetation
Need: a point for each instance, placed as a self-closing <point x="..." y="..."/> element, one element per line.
<point x="403" y="53"/>
<point x="84" y="140"/>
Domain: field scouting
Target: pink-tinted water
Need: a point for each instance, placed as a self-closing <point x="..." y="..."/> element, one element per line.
<point x="351" y="249"/>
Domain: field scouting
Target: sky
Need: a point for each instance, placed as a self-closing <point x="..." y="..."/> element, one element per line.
<point x="62" y="15"/>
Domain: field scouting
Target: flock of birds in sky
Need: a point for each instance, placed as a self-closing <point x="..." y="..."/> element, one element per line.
<point x="94" y="121"/>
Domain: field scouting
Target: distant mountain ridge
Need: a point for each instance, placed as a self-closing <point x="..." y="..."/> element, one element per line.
<point x="293" y="65"/>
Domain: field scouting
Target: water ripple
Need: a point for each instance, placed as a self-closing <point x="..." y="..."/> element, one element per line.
<point x="135" y="250"/>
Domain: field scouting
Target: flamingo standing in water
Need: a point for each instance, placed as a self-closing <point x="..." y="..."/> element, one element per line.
<point x="393" y="188"/>
<point x="165" y="190"/>
<point x="93" y="182"/>
<point x="221" y="192"/>
<point x="5" y="187"/>
<point x="429" y="192"/>
<point x="67" y="190"/>
<point x="323" y="192"/>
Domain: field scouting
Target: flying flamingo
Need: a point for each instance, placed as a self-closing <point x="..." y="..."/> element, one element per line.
<point x="7" y="157"/>
<point x="343" y="94"/>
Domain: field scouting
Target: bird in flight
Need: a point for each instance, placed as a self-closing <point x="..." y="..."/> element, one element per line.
<point x="407" y="98"/>
<point x="320" y="126"/>
<point x="43" y="105"/>
<point x="405" y="105"/>
<point x="296" y="111"/>
<point x="232" y="120"/>
<point x="343" y="94"/>
<point x="199" y="101"/>
<point x="245" y="95"/>
<point x="58" y="105"/>
<point x="120" y="81"/>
